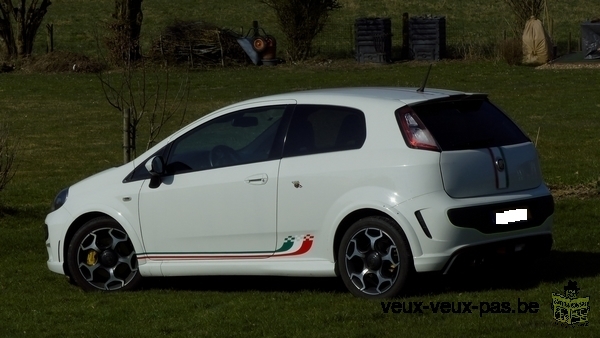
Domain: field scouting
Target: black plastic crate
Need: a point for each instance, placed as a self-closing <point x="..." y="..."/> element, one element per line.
<point x="373" y="40"/>
<point x="427" y="38"/>
<point x="590" y="39"/>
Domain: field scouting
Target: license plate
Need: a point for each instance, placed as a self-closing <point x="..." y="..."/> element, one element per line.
<point x="512" y="216"/>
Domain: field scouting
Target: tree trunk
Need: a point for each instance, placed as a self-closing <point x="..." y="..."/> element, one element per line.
<point x="128" y="14"/>
<point x="19" y="24"/>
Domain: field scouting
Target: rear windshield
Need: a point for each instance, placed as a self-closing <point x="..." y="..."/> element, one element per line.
<point x="469" y="124"/>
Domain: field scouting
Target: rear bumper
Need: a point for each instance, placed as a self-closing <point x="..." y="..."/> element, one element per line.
<point x="447" y="229"/>
<point x="516" y="249"/>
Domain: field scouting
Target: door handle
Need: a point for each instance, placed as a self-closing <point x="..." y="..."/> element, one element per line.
<point x="258" y="179"/>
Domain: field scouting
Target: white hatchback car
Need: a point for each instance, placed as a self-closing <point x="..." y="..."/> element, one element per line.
<point x="368" y="184"/>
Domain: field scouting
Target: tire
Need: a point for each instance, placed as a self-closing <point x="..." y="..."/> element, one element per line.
<point x="374" y="259"/>
<point x="101" y="257"/>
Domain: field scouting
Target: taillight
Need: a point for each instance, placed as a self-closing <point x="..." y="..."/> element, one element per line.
<point x="414" y="131"/>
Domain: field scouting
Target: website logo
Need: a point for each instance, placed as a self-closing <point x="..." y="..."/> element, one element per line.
<point x="569" y="309"/>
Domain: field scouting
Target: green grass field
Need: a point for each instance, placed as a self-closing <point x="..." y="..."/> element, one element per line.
<point x="67" y="131"/>
<point x="474" y="27"/>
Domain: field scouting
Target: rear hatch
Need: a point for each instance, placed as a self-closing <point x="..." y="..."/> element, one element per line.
<point x="483" y="152"/>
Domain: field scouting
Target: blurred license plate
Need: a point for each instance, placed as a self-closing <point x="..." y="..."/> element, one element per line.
<point x="512" y="216"/>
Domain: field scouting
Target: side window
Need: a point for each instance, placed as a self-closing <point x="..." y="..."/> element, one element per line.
<point x="319" y="128"/>
<point x="238" y="138"/>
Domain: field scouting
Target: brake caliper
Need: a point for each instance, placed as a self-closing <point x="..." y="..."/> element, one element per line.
<point x="92" y="258"/>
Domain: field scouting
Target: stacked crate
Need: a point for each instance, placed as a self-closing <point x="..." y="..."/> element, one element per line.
<point x="427" y="38"/>
<point x="373" y="38"/>
<point x="590" y="39"/>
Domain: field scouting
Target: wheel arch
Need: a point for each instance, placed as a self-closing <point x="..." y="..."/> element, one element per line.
<point x="406" y="231"/>
<point x="83" y="219"/>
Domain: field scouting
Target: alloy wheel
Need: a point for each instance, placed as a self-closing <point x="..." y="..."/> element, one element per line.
<point x="372" y="261"/>
<point x="106" y="259"/>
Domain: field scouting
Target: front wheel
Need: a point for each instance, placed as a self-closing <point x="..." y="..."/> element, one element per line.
<point x="101" y="257"/>
<point x="374" y="258"/>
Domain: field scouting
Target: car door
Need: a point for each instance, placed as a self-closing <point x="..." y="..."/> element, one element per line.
<point x="319" y="165"/>
<point x="218" y="197"/>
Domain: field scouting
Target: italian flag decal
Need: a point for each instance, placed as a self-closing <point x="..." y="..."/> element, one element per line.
<point x="292" y="246"/>
<point x="295" y="245"/>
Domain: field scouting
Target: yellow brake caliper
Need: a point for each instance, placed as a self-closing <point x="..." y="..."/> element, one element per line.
<point x="92" y="258"/>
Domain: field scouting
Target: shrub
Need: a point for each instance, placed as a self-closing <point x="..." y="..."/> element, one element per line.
<point x="512" y="51"/>
<point x="62" y="62"/>
<point x="523" y="10"/>
<point x="301" y="21"/>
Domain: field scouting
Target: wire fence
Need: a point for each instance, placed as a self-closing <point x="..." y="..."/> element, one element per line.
<point x="338" y="41"/>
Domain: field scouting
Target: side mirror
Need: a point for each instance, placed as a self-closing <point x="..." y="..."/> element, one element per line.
<point x="156" y="166"/>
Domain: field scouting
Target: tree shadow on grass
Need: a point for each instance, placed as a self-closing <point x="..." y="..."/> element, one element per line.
<point x="23" y="212"/>
<point x="558" y="267"/>
<point x="7" y="211"/>
<point x="248" y="283"/>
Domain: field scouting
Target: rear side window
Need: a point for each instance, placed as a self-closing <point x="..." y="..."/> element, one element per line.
<point x="469" y="124"/>
<point x="321" y="128"/>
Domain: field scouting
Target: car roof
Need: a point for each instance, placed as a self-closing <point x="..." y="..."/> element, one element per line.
<point x="402" y="94"/>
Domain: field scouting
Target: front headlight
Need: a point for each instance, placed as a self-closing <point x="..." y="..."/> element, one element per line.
<point x="60" y="199"/>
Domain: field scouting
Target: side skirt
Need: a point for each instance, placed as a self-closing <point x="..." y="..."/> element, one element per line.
<point x="245" y="267"/>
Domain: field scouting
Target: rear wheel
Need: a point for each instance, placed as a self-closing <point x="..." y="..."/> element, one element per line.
<point x="101" y="257"/>
<point x="374" y="258"/>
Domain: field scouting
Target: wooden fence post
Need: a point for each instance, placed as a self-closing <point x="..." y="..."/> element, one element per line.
<point x="405" y="53"/>
<point x="49" y="38"/>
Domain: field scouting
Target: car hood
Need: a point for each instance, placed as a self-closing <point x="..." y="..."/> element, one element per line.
<point x="101" y="181"/>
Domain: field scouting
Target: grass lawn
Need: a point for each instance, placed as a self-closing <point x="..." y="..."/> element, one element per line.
<point x="67" y="131"/>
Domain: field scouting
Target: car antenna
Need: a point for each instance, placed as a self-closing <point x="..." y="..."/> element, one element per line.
<point x="422" y="88"/>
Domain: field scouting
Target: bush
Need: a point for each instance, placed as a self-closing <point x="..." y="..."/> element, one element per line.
<point x="512" y="51"/>
<point x="301" y="21"/>
<point x="62" y="62"/>
<point x="523" y="10"/>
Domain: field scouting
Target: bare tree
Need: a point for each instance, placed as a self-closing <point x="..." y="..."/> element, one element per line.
<point x="301" y="21"/>
<point x="124" y="43"/>
<point x="133" y="93"/>
<point x="8" y="152"/>
<point x="19" y="23"/>
<point x="130" y="90"/>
